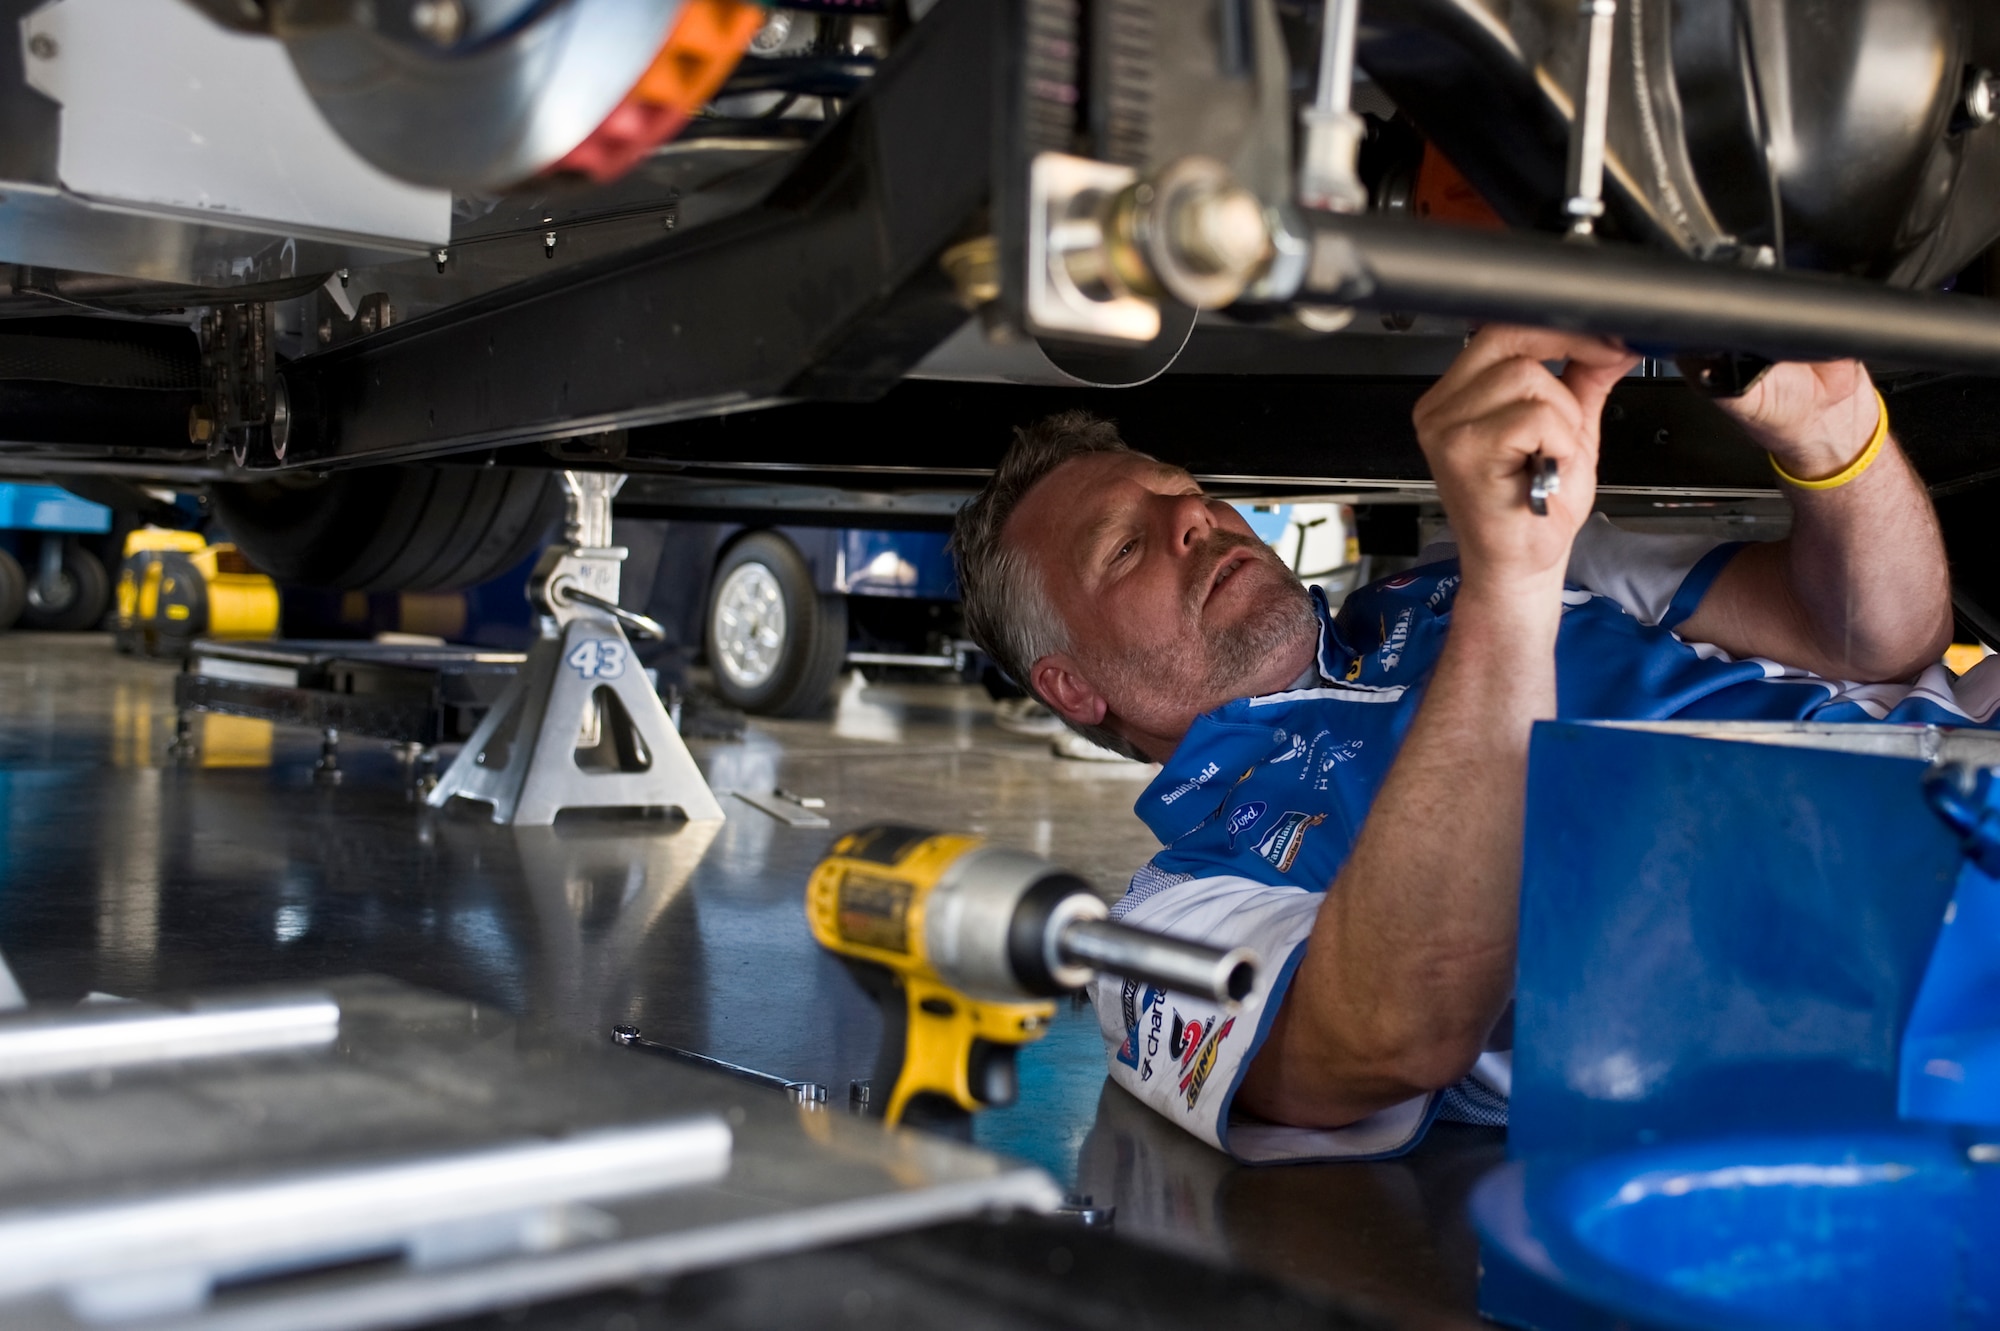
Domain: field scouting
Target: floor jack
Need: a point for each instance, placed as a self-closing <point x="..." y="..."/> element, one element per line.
<point x="581" y="693"/>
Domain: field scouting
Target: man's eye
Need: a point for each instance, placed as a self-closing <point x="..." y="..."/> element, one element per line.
<point x="1125" y="550"/>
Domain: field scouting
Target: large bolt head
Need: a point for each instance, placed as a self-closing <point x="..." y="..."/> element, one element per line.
<point x="1223" y="232"/>
<point x="440" y="22"/>
<point x="1203" y="236"/>
<point x="1982" y="97"/>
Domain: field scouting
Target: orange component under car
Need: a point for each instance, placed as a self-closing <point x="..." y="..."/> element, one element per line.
<point x="707" y="40"/>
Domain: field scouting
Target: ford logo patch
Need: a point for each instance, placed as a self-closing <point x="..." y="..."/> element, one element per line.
<point x="1245" y="817"/>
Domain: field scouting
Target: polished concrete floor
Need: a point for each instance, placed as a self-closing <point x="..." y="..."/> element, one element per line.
<point x="124" y="871"/>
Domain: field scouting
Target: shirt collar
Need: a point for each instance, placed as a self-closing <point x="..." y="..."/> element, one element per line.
<point x="1334" y="655"/>
<point x="1224" y="746"/>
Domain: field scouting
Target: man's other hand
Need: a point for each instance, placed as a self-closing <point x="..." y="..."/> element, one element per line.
<point x="1860" y="589"/>
<point x="1813" y="418"/>
<point x="1481" y="425"/>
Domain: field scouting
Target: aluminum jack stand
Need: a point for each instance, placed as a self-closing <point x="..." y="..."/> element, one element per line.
<point x="580" y="690"/>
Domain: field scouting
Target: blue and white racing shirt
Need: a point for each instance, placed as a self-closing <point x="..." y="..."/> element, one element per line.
<point x="1261" y="803"/>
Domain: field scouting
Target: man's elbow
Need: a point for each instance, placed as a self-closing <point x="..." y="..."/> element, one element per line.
<point x="1902" y="660"/>
<point x="1348" y="1079"/>
<point x="1894" y="656"/>
<point x="1428" y="1061"/>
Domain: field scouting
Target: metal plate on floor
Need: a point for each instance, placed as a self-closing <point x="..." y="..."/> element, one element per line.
<point x="429" y="1160"/>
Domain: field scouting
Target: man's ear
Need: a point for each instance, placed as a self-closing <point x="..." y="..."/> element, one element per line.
<point x="1059" y="683"/>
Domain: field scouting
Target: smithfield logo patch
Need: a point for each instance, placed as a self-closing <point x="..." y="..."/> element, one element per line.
<point x="1281" y="844"/>
<point x="1244" y="817"/>
<point x="1194" y="783"/>
<point x="1400" y="581"/>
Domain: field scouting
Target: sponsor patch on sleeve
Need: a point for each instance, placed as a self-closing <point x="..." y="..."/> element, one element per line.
<point x="1281" y="844"/>
<point x="1141" y="1009"/>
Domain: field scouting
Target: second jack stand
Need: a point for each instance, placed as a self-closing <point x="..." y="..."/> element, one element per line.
<point x="580" y="695"/>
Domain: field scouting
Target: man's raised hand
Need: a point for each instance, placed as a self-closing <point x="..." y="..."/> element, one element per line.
<point x="1814" y="418"/>
<point x="1484" y="421"/>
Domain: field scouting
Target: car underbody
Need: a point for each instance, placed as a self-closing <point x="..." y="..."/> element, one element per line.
<point x="1251" y="231"/>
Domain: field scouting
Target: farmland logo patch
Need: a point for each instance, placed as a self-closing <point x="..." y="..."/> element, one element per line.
<point x="1281" y="844"/>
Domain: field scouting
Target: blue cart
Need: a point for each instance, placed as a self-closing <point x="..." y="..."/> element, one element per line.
<point x="40" y="527"/>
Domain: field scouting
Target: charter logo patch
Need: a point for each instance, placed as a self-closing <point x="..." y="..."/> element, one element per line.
<point x="1245" y="817"/>
<point x="1197" y="1075"/>
<point x="1281" y="844"/>
<point x="1135" y="1008"/>
<point x="1188" y="787"/>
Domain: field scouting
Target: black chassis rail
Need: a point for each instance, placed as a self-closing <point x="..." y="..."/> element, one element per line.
<point x="1262" y="435"/>
<point x="908" y="459"/>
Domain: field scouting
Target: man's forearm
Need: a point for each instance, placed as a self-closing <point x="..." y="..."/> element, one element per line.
<point x="1412" y="957"/>
<point x="1859" y="590"/>
<point x="1866" y="564"/>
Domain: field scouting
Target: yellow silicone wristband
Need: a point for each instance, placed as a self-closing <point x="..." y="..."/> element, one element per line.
<point x="1852" y="469"/>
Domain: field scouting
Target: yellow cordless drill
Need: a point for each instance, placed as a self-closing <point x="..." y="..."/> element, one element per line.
<point x="963" y="943"/>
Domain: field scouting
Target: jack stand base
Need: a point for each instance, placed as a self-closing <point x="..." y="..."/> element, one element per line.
<point x="579" y="685"/>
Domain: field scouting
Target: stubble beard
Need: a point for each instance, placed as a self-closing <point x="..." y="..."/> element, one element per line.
<point x="1239" y="654"/>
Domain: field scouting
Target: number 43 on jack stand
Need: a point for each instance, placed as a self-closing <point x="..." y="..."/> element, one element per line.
<point x="580" y="726"/>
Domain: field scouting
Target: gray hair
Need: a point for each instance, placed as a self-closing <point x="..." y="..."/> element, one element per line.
<point x="1007" y="607"/>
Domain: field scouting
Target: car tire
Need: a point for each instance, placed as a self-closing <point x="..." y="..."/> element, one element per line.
<point x="83" y="594"/>
<point x="13" y="590"/>
<point x="774" y="642"/>
<point x="391" y="529"/>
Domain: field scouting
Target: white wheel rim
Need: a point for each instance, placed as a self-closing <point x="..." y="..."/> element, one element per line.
<point x="749" y="625"/>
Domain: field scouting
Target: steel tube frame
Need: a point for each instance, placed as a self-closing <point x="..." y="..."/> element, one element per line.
<point x="1661" y="302"/>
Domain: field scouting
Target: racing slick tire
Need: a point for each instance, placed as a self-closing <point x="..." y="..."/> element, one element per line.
<point x="391" y="529"/>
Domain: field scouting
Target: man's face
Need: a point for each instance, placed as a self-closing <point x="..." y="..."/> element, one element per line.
<point x="1173" y="605"/>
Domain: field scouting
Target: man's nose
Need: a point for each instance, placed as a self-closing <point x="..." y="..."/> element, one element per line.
<point x="1192" y="522"/>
